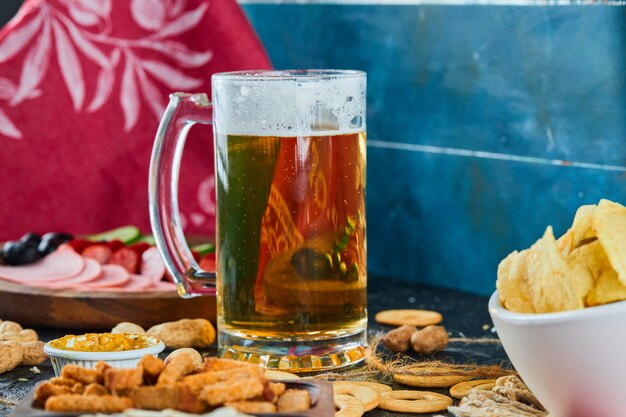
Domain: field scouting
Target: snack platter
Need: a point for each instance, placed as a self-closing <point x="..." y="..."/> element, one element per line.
<point x="93" y="282"/>
<point x="320" y="391"/>
<point x="97" y="310"/>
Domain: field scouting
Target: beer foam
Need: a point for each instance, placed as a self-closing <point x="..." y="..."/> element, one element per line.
<point x="287" y="104"/>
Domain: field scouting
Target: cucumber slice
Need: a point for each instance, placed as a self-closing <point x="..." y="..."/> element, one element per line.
<point x="204" y="248"/>
<point x="149" y="239"/>
<point x="126" y="234"/>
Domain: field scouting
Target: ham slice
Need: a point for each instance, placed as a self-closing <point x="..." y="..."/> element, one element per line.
<point x="135" y="283"/>
<point x="92" y="272"/>
<point x="162" y="286"/>
<point x="112" y="276"/>
<point x="61" y="264"/>
<point x="152" y="264"/>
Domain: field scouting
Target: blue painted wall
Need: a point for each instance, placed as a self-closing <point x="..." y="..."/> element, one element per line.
<point x="468" y="107"/>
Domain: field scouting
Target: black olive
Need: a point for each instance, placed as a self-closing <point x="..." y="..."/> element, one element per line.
<point x="21" y="252"/>
<point x="51" y="241"/>
<point x="312" y="264"/>
<point x="31" y="238"/>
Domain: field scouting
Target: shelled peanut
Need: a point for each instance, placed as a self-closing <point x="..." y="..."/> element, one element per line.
<point x="19" y="346"/>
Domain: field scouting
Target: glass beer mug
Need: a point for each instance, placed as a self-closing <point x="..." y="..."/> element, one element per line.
<point x="290" y="275"/>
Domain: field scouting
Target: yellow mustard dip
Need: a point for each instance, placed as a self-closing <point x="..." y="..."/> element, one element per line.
<point x="101" y="342"/>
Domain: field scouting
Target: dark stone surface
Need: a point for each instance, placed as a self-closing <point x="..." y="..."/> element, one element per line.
<point x="465" y="315"/>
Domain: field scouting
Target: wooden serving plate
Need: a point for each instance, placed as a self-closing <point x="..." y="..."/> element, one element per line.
<point x="98" y="310"/>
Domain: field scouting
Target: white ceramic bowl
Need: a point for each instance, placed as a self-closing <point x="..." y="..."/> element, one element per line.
<point x="573" y="361"/>
<point x="122" y="359"/>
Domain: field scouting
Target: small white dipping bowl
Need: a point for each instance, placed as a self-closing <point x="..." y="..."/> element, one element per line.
<point x="121" y="359"/>
<point x="573" y="361"/>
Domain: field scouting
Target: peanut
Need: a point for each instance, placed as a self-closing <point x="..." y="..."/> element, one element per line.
<point x="11" y="354"/>
<point x="397" y="340"/>
<point x="429" y="340"/>
<point x="27" y="335"/>
<point x="129" y="328"/>
<point x="184" y="333"/>
<point x="10" y="327"/>
<point x="194" y="355"/>
<point x="33" y="353"/>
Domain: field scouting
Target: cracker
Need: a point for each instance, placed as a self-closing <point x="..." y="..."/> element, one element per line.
<point x="368" y="396"/>
<point x="430" y="381"/>
<point x="252" y="407"/>
<point x="294" y="401"/>
<point x="404" y="401"/>
<point x="348" y="406"/>
<point x="176" y="368"/>
<point x="88" y="403"/>
<point x="119" y="379"/>
<point x="420" y="318"/>
<point x="461" y="389"/>
<point x="80" y="374"/>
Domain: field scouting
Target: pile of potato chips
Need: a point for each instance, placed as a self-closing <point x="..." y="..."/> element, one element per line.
<point x="584" y="267"/>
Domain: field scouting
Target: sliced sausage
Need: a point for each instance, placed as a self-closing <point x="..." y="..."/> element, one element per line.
<point x="126" y="258"/>
<point x="152" y="264"/>
<point x="61" y="264"/>
<point x="98" y="252"/>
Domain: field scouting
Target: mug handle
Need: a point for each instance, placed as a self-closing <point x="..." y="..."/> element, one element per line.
<point x="183" y="111"/>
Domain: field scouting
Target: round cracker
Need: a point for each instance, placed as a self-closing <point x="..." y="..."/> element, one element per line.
<point x="405" y="401"/>
<point x="419" y="318"/>
<point x="375" y="385"/>
<point x="368" y="396"/>
<point x="430" y="381"/>
<point x="272" y="374"/>
<point x="461" y="389"/>
<point x="348" y="406"/>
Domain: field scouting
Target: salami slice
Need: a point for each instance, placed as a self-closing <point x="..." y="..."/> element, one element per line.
<point x="112" y="276"/>
<point x="61" y="264"/>
<point x="126" y="258"/>
<point x="152" y="264"/>
<point x="92" y="272"/>
<point x="98" y="252"/>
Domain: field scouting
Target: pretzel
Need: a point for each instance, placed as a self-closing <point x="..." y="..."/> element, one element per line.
<point x="461" y="389"/>
<point x="419" y="318"/>
<point x="430" y="381"/>
<point x="368" y="396"/>
<point x="405" y="401"/>
<point x="348" y="406"/>
<point x="374" y="385"/>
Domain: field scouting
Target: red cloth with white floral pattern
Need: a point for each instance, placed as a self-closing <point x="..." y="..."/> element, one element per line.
<point x="83" y="84"/>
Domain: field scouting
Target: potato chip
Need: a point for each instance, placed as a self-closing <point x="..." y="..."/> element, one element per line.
<point x="609" y="225"/>
<point x="607" y="290"/>
<point x="512" y="283"/>
<point x="549" y="283"/>
<point x="580" y="230"/>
